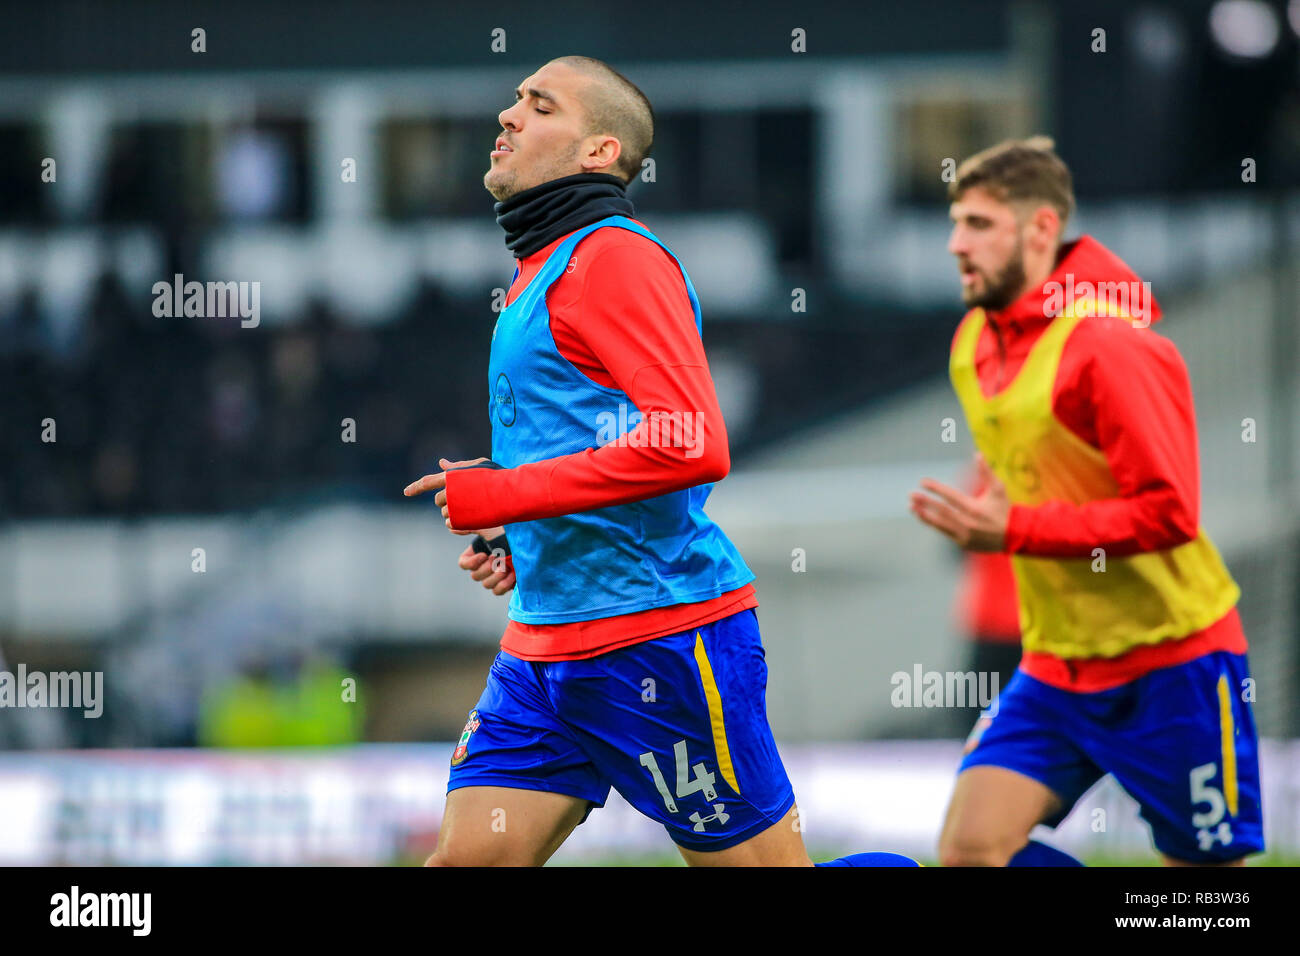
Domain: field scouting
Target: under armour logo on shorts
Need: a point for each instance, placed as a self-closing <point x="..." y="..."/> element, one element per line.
<point x="718" y="814"/>
<point x="1207" y="838"/>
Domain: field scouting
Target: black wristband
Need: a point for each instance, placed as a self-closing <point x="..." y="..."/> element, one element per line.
<point x="482" y="545"/>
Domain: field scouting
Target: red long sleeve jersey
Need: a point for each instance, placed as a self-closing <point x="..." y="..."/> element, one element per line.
<point x="620" y="313"/>
<point x="1135" y="406"/>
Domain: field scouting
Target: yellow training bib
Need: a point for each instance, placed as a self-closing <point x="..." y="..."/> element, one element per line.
<point x="1071" y="607"/>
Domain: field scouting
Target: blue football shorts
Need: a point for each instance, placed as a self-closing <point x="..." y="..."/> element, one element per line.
<point x="676" y="724"/>
<point x="1180" y="740"/>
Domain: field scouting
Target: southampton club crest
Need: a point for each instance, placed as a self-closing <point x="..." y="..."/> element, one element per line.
<point x="462" y="749"/>
<point x="504" y="399"/>
<point x="977" y="732"/>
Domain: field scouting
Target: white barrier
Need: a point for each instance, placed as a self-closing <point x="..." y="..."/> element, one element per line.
<point x="376" y="803"/>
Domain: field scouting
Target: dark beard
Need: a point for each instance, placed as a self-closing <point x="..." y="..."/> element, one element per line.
<point x="1005" y="287"/>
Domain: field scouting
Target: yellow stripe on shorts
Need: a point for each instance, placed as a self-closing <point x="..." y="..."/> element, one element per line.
<point x="1227" y="733"/>
<point x="715" y="713"/>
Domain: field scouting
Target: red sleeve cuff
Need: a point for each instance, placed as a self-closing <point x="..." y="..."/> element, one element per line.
<point x="1018" y="529"/>
<point x="470" y="494"/>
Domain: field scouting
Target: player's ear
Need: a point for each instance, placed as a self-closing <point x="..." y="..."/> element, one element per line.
<point x="1045" y="227"/>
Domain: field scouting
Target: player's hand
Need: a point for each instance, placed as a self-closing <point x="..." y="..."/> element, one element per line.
<point x="438" y="483"/>
<point x="496" y="572"/>
<point x="975" y="522"/>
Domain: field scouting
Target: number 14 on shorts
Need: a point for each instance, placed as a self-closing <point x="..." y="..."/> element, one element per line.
<point x="685" y="786"/>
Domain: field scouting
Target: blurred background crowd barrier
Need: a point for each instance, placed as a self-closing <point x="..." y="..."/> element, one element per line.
<point x="379" y="804"/>
<point x="208" y="511"/>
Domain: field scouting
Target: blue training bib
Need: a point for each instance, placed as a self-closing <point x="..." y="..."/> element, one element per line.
<point x="611" y="561"/>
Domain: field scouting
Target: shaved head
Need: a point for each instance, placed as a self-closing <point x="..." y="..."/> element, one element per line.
<point x="615" y="107"/>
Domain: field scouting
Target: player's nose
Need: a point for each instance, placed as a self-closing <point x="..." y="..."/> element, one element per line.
<point x="508" y="118"/>
<point x="957" y="244"/>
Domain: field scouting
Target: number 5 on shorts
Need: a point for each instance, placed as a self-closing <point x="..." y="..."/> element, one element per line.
<point x="1204" y="792"/>
<point x="685" y="786"/>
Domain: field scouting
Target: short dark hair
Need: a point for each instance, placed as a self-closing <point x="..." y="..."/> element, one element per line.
<point x="615" y="105"/>
<point x="1019" y="169"/>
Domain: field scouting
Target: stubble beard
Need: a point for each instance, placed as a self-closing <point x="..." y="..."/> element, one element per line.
<point x="503" y="184"/>
<point x="1004" y="288"/>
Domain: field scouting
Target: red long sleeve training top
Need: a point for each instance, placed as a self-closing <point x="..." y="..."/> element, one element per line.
<point x="621" y="314"/>
<point x="1135" y="405"/>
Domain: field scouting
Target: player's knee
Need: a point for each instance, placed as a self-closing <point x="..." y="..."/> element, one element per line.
<point x="974" y="849"/>
<point x="450" y="855"/>
<point x="481" y="856"/>
<point x="441" y="857"/>
<point x="972" y="855"/>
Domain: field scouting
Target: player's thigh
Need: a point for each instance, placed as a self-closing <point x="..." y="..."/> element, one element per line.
<point x="1022" y="767"/>
<point x="781" y="844"/>
<point x="504" y="826"/>
<point x="990" y="815"/>
<point x="519" y="782"/>
<point x="678" y="725"/>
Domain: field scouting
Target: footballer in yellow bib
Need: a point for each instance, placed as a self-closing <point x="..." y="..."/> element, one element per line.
<point x="1134" y="660"/>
